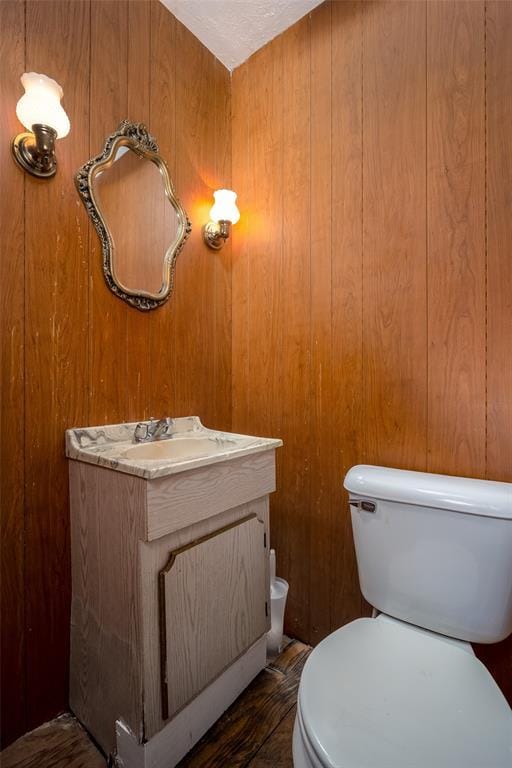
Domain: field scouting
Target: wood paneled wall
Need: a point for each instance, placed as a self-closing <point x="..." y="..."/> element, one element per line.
<point x="72" y="353"/>
<point x="372" y="269"/>
<point x="372" y="280"/>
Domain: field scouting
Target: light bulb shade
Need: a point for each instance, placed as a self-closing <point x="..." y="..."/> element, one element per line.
<point x="40" y="104"/>
<point x="224" y="207"/>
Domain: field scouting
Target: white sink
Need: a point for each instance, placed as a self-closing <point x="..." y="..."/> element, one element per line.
<point x="177" y="448"/>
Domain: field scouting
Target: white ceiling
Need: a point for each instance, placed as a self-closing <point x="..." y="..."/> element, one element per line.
<point x="235" y="29"/>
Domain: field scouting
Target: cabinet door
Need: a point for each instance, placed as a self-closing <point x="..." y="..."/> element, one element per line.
<point x="212" y="608"/>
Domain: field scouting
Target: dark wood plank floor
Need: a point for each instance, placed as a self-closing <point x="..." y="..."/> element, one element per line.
<point x="255" y="732"/>
<point x="58" y="744"/>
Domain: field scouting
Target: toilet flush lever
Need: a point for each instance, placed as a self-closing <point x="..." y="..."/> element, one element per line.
<point x="366" y="506"/>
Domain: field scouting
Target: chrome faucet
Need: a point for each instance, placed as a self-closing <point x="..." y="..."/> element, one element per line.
<point x="155" y="430"/>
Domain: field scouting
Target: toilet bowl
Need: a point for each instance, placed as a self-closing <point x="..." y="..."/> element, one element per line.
<point x="379" y="692"/>
<point x="400" y="691"/>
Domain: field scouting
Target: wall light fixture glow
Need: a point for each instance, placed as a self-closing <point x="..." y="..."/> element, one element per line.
<point x="40" y="111"/>
<point x="223" y="214"/>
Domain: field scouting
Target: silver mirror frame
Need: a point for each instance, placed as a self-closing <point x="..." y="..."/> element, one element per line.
<point x="136" y="137"/>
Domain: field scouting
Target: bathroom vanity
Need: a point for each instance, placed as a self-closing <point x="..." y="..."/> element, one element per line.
<point x="170" y="582"/>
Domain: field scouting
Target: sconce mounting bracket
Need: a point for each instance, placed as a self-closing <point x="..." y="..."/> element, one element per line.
<point x="35" y="151"/>
<point x="215" y="234"/>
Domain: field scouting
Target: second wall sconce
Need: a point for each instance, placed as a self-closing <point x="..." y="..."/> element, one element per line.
<point x="40" y="111"/>
<point x="223" y="214"/>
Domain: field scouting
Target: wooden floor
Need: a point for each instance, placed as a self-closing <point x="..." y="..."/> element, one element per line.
<point x="61" y="742"/>
<point x="255" y="732"/>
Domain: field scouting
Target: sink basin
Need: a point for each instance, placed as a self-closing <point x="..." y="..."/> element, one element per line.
<point x="176" y="448"/>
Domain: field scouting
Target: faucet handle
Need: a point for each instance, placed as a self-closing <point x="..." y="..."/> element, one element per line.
<point x="141" y="432"/>
<point x="151" y="426"/>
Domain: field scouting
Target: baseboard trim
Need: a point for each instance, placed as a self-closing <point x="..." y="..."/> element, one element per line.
<point x="167" y="747"/>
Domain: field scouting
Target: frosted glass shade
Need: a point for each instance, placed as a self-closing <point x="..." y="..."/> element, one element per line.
<point x="41" y="104"/>
<point x="224" y="207"/>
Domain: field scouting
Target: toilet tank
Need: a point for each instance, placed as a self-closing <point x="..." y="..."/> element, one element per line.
<point x="435" y="550"/>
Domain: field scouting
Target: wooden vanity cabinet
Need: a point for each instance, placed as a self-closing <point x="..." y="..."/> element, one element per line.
<point x="170" y="587"/>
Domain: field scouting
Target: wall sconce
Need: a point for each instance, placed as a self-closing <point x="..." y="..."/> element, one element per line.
<point x="40" y="111"/>
<point x="222" y="214"/>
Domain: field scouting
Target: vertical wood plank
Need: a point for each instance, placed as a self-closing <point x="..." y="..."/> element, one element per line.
<point x="138" y="324"/>
<point x="324" y="472"/>
<point x="499" y="237"/>
<point x="108" y="374"/>
<point x="138" y="63"/>
<point x="56" y="359"/>
<point x="241" y="248"/>
<point x="295" y="319"/>
<point x="163" y="106"/>
<point x="258" y="135"/>
<point x="394" y="237"/>
<point x="263" y="256"/>
<point x="264" y="203"/>
<point x="12" y="286"/>
<point x="222" y="261"/>
<point x="194" y="295"/>
<point x="456" y="238"/>
<point x="346" y="297"/>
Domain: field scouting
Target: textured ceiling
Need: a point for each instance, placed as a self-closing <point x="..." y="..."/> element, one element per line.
<point x="234" y="29"/>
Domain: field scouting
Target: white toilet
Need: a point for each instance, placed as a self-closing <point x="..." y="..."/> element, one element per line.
<point x="404" y="689"/>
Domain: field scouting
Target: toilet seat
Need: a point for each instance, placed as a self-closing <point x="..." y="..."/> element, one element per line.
<point x="384" y="694"/>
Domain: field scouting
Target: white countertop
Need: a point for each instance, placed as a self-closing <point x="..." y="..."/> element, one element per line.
<point x="106" y="446"/>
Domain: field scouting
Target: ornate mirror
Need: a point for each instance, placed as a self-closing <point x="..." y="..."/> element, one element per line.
<point x="142" y="226"/>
